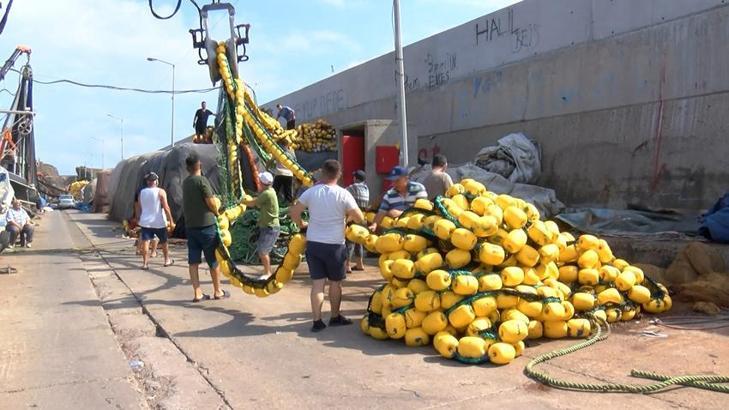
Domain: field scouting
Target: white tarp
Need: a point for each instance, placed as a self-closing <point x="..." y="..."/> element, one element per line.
<point x="515" y="157"/>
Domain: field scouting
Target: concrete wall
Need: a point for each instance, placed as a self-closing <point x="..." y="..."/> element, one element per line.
<point x="627" y="98"/>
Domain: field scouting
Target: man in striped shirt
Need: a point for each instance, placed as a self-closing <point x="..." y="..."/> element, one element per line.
<point x="361" y="193"/>
<point x="400" y="197"/>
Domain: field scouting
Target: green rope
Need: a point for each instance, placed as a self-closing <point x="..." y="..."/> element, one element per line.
<point x="706" y="382"/>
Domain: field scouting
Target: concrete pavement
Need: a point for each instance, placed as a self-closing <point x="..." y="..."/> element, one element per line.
<point x="54" y="352"/>
<point x="260" y="352"/>
<point x="75" y="316"/>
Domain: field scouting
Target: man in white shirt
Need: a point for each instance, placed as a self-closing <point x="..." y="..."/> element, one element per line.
<point x="154" y="214"/>
<point x="19" y="223"/>
<point x="329" y="207"/>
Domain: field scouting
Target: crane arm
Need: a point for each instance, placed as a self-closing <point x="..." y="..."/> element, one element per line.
<point x="20" y="50"/>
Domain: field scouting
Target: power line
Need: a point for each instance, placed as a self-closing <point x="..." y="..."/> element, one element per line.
<point x="116" y="88"/>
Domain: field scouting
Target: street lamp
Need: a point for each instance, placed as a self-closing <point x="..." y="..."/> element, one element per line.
<point x="172" y="130"/>
<point x="121" y="122"/>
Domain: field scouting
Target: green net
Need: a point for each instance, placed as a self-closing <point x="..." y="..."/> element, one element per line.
<point x="245" y="236"/>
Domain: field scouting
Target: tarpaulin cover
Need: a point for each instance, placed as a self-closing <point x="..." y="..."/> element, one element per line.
<point x="627" y="222"/>
<point x="127" y="177"/>
<point x="715" y="222"/>
<point x="101" y="194"/>
<point x="544" y="199"/>
<point x="515" y="157"/>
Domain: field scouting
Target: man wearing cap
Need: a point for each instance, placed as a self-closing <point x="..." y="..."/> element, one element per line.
<point x="361" y="193"/>
<point x="329" y="207"/>
<point x="268" y="224"/>
<point x="200" y="207"/>
<point x="154" y="214"/>
<point x="400" y="197"/>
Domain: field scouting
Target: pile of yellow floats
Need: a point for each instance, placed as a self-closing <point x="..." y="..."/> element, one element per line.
<point x="476" y="274"/>
<point x="247" y="114"/>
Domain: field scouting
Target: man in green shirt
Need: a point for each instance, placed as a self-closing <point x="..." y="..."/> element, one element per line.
<point x="268" y="225"/>
<point x="200" y="207"/>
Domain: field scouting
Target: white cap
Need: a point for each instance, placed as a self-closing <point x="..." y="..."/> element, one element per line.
<point x="266" y="178"/>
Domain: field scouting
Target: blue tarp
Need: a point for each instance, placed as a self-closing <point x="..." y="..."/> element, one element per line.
<point x="715" y="222"/>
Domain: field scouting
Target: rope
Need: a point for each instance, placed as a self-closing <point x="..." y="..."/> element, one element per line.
<point x="705" y="382"/>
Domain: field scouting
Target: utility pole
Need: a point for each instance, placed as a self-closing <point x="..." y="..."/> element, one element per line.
<point x="400" y="74"/>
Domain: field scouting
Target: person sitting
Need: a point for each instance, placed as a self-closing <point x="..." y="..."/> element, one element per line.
<point x="19" y="224"/>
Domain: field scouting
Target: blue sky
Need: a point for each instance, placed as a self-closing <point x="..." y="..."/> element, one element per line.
<point x="293" y="44"/>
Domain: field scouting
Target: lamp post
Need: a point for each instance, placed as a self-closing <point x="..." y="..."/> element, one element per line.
<point x="121" y="139"/>
<point x="172" y="129"/>
<point x="400" y="74"/>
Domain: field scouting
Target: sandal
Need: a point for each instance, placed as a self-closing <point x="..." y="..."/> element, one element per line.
<point x="357" y="269"/>
<point x="204" y="297"/>
<point x="145" y="267"/>
<point x="172" y="262"/>
<point x="225" y="295"/>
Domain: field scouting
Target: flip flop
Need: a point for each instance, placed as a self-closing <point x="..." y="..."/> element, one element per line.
<point x="204" y="297"/>
<point x="225" y="295"/>
<point x="357" y="269"/>
<point x="8" y="270"/>
<point x="172" y="262"/>
<point x="145" y="267"/>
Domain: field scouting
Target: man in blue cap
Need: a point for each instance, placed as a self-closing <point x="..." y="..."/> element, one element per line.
<point x="400" y="197"/>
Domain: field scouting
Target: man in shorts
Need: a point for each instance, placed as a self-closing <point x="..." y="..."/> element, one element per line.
<point x="199" y="206"/>
<point x="268" y="224"/>
<point x="329" y="207"/>
<point x="154" y="214"/>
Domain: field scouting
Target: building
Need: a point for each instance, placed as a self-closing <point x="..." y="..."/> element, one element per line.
<point x="628" y="99"/>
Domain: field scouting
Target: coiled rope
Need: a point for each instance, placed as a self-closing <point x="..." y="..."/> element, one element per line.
<point x="714" y="383"/>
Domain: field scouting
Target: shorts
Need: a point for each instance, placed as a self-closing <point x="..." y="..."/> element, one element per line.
<point x="202" y="241"/>
<point x="326" y="261"/>
<point x="267" y="237"/>
<point x="200" y="129"/>
<point x="354" y="250"/>
<point x="149" y="233"/>
<point x="290" y="125"/>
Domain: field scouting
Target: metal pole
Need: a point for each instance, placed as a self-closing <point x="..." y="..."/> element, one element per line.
<point x="400" y="74"/>
<point x="172" y="130"/>
<point x="102" y="152"/>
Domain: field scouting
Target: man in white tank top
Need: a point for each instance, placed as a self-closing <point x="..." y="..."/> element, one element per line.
<point x="154" y="214"/>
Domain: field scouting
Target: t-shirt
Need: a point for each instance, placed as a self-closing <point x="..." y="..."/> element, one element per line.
<point x="19" y="216"/>
<point x="287" y="113"/>
<point x="393" y="200"/>
<point x="201" y="117"/>
<point x="195" y="189"/>
<point x="437" y="183"/>
<point x="328" y="206"/>
<point x="267" y="204"/>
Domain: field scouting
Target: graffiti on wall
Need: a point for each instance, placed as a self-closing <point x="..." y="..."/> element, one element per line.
<point x="438" y="72"/>
<point x="499" y="26"/>
<point x="324" y="104"/>
<point x="439" y="69"/>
